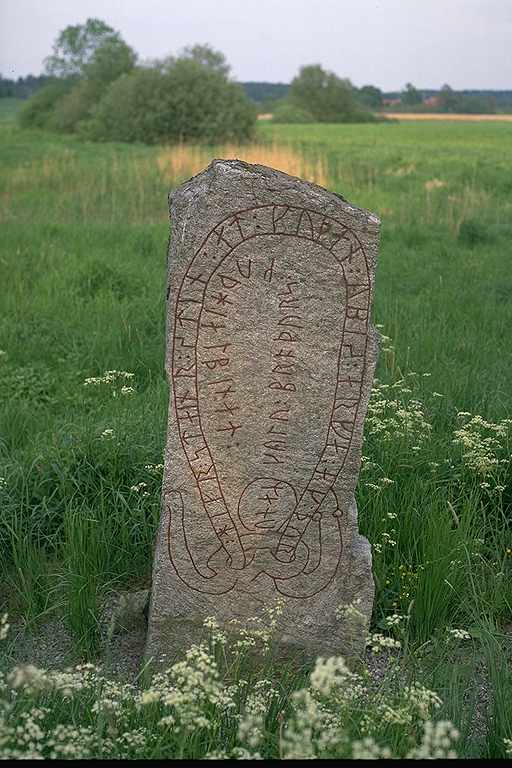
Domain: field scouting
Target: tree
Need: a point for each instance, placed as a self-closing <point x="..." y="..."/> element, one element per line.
<point x="370" y="96"/>
<point x="100" y="93"/>
<point x="207" y="57"/>
<point x="75" y="47"/>
<point x="328" y="98"/>
<point x="448" y="99"/>
<point x="109" y="61"/>
<point x="411" y="97"/>
<point x="86" y="59"/>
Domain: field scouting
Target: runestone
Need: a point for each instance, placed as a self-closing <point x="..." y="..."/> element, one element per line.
<point x="270" y="360"/>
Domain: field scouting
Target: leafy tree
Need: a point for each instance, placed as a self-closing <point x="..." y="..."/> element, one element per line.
<point x="473" y="104"/>
<point x="411" y="97"/>
<point x="328" y="98"/>
<point x="207" y="57"/>
<point x="99" y="92"/>
<point x="86" y="59"/>
<point x="109" y="61"/>
<point x="265" y="93"/>
<point x="453" y="101"/>
<point x="448" y="99"/>
<point x="75" y="47"/>
<point x="370" y="96"/>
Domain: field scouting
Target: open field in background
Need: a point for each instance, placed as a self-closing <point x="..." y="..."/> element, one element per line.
<point x="446" y="116"/>
<point x="82" y="261"/>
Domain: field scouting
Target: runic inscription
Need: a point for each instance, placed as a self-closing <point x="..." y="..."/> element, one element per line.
<point x="214" y="352"/>
<point x="270" y="360"/>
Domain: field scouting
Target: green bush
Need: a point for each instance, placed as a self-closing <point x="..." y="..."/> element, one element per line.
<point x="38" y="111"/>
<point x="327" y="97"/>
<point x="73" y="107"/>
<point x="186" y="100"/>
<point x="284" y="112"/>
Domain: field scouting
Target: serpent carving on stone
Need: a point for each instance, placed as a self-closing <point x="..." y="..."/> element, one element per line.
<point x="273" y="536"/>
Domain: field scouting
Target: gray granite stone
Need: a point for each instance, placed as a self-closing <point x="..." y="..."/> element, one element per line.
<point x="270" y="358"/>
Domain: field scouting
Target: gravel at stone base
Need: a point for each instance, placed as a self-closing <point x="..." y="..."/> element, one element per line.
<point x="50" y="645"/>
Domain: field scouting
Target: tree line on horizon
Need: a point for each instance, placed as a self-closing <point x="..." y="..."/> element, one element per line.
<point x="269" y="96"/>
<point x="95" y="86"/>
<point x="265" y="94"/>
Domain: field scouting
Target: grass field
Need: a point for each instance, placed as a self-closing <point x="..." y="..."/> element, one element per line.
<point x="82" y="261"/>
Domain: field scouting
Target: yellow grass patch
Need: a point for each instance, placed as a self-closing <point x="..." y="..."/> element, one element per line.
<point x="183" y="160"/>
<point x="434" y="184"/>
<point x="444" y="116"/>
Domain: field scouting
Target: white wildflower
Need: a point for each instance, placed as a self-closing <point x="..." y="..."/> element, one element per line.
<point x="4" y="627"/>
<point x="332" y="675"/>
<point x="139" y="487"/>
<point x="368" y="749"/>
<point x="378" y="642"/>
<point x="422" y="699"/>
<point x="437" y="742"/>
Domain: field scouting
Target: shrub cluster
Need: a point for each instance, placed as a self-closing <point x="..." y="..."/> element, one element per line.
<point x="181" y="102"/>
<point x="98" y="91"/>
<point x="316" y="95"/>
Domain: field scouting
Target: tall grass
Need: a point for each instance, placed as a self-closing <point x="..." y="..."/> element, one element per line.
<point x="183" y="161"/>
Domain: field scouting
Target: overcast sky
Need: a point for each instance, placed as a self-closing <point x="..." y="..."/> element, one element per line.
<point x="466" y="43"/>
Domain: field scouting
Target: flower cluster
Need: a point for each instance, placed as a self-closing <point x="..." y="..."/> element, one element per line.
<point x="368" y="749"/>
<point x="140" y="488"/>
<point x="4" y="627"/>
<point x="483" y="443"/>
<point x="437" y="742"/>
<point x="393" y="415"/>
<point x="115" y="381"/>
<point x="378" y="642"/>
<point x="187" y="690"/>
<point x="259" y="700"/>
<point x="154" y="469"/>
<point x="79" y="714"/>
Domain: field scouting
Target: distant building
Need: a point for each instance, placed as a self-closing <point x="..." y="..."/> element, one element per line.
<point x="432" y="102"/>
<point x="391" y="102"/>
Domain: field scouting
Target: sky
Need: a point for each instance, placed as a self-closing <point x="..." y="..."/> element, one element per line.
<point x="465" y="43"/>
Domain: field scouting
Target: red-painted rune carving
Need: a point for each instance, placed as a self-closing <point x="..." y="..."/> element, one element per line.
<point x="275" y="535"/>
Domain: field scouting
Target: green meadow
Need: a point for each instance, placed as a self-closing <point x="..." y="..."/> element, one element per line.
<point x="82" y="267"/>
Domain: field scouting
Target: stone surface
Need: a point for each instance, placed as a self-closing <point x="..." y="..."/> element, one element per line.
<point x="270" y="359"/>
